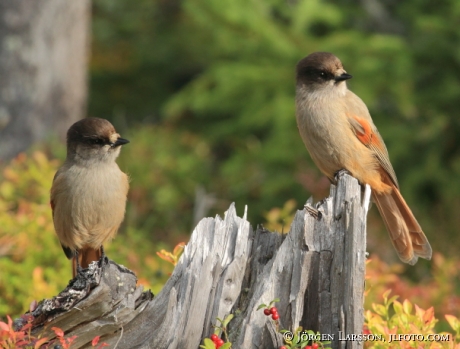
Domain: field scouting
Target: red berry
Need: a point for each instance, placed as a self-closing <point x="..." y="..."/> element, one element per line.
<point x="314" y="346"/>
<point x="219" y="343"/>
<point x="283" y="347"/>
<point x="308" y="347"/>
<point x="273" y="310"/>
<point x="267" y="312"/>
<point x="275" y="316"/>
<point x="214" y="337"/>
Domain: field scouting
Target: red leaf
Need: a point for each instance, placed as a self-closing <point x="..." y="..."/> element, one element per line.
<point x="95" y="341"/>
<point x="26" y="327"/>
<point x="40" y="342"/>
<point x="58" y="331"/>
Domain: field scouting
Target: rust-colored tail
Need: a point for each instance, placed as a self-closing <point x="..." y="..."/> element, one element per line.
<point x="85" y="257"/>
<point x="406" y="234"/>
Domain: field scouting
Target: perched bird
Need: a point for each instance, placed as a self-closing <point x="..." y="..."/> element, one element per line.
<point x="88" y="195"/>
<point x="338" y="131"/>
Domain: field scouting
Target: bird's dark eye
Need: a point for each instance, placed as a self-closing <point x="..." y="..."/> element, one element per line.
<point x="98" y="141"/>
<point x="314" y="75"/>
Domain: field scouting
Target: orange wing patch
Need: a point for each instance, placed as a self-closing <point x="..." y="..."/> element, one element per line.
<point x="371" y="139"/>
<point x="365" y="134"/>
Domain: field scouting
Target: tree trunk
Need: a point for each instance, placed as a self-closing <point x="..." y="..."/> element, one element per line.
<point x="316" y="270"/>
<point x="43" y="64"/>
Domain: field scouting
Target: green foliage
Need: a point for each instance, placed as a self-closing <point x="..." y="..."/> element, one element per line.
<point x="32" y="262"/>
<point x="220" y="331"/>
<point x="223" y="71"/>
<point x="244" y="97"/>
<point x="164" y="166"/>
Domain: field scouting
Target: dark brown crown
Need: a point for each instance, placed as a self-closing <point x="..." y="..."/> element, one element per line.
<point x="90" y="130"/>
<point x="317" y="67"/>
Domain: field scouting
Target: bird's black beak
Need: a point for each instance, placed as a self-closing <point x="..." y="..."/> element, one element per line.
<point x="343" y="77"/>
<point x="120" y="141"/>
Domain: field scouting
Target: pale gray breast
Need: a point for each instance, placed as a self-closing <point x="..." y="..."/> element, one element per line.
<point x="96" y="195"/>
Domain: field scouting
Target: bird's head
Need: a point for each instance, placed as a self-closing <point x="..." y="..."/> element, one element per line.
<point x="93" y="139"/>
<point x="322" y="71"/>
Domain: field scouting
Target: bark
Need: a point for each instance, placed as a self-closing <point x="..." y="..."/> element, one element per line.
<point x="316" y="270"/>
<point x="43" y="64"/>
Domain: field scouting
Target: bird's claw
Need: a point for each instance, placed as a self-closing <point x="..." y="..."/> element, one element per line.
<point x="316" y="214"/>
<point x="341" y="173"/>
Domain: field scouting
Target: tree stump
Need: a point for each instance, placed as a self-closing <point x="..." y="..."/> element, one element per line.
<point x="316" y="270"/>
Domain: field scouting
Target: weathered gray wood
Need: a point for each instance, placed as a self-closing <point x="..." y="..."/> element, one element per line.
<point x="316" y="270"/>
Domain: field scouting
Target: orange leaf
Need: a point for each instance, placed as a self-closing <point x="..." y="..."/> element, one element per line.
<point x="58" y="331"/>
<point x="40" y="342"/>
<point x="165" y="255"/>
<point x="419" y="311"/>
<point x="429" y="315"/>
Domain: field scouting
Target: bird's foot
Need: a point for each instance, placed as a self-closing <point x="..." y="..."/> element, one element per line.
<point x="79" y="269"/>
<point x="341" y="173"/>
<point x="315" y="213"/>
<point x="103" y="260"/>
<point x="102" y="252"/>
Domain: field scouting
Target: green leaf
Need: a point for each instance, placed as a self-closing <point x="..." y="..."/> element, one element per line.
<point x="208" y="344"/>
<point x="453" y="322"/>
<point x="407" y="306"/>
<point x="226" y="345"/>
<point x="391" y="300"/>
<point x="397" y="306"/>
<point x="385" y="296"/>
<point x="379" y="309"/>
<point x="227" y="319"/>
<point x="262" y="306"/>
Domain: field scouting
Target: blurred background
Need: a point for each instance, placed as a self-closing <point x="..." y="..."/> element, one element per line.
<point x="204" y="90"/>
